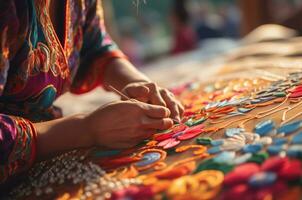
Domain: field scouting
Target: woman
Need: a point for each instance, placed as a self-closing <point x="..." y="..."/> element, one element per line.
<point x="49" y="47"/>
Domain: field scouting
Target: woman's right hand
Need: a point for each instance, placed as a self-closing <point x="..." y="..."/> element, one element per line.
<point x="124" y="124"/>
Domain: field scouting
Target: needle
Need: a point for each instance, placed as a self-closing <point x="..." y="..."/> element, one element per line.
<point x="133" y="100"/>
<point x="122" y="94"/>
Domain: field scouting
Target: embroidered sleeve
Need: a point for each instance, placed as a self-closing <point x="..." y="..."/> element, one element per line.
<point x="98" y="49"/>
<point x="9" y="27"/>
<point x="17" y="146"/>
<point x="4" y="60"/>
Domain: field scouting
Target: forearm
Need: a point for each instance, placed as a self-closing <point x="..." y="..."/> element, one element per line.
<point x="61" y="135"/>
<point x="121" y="72"/>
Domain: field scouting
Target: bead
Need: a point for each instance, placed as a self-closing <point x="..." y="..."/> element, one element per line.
<point x="258" y="157"/>
<point x="189" y="123"/>
<point x="255" y="101"/>
<point x="168" y="143"/>
<point x="241" y="174"/>
<point x="211" y="164"/>
<point x="239" y="138"/>
<point x="250" y="137"/>
<point x="171" y="144"/>
<point x="233" y="131"/>
<point x="252" y="148"/>
<point x="175" y="135"/>
<point x="191" y="132"/>
<point x="242" y="159"/>
<point x="214" y="150"/>
<point x="294" y="151"/>
<point x="267" y="94"/>
<point x="163" y="136"/>
<point x="274" y="164"/>
<point x="69" y="167"/>
<point x="262" y="179"/>
<point x="256" y="137"/>
<point x="232" y="145"/>
<point x="279" y="141"/>
<point x="179" y="128"/>
<point x="263" y="128"/>
<point x="291" y="170"/>
<point x="265" y="140"/>
<point x="297" y="139"/>
<point x="279" y="94"/>
<point x="225" y="157"/>
<point x="245" y="110"/>
<point x="217" y="142"/>
<point x="204" y="140"/>
<point x="289" y="128"/>
<point x="275" y="149"/>
<point x="295" y="94"/>
<point x="266" y="99"/>
<point x="199" y="121"/>
<point x="148" y="158"/>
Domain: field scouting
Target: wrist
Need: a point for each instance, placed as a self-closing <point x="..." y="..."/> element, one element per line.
<point x="84" y="132"/>
<point x="61" y="135"/>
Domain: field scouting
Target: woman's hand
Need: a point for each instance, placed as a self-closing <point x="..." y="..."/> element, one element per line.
<point x="149" y="92"/>
<point x="120" y="124"/>
<point x="124" y="124"/>
<point x="123" y="76"/>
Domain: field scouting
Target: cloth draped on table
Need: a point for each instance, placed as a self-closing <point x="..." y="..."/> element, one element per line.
<point x="36" y="68"/>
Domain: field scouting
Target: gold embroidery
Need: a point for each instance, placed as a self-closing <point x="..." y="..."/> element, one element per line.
<point x="60" y="66"/>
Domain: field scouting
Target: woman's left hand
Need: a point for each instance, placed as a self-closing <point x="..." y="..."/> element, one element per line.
<point x="149" y="92"/>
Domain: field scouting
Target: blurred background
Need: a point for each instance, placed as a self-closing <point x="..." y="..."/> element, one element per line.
<point x="147" y="30"/>
<point x="180" y="41"/>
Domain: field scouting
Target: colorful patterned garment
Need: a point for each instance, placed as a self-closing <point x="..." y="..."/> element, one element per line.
<point x="35" y="69"/>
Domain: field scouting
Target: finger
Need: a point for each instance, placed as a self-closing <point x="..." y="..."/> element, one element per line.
<point x="180" y="108"/>
<point x="157" y="124"/>
<point x="155" y="96"/>
<point x="155" y="111"/>
<point x="137" y="91"/>
<point x="172" y="105"/>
